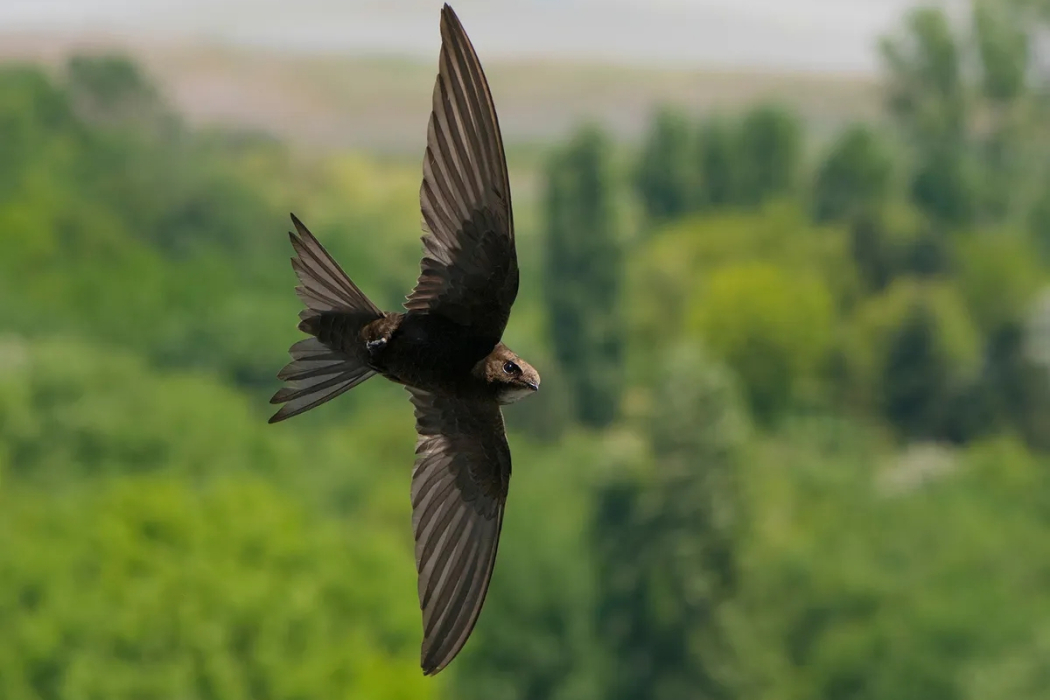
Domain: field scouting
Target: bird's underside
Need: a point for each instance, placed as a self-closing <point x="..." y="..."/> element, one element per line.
<point x="445" y="348"/>
<point x="429" y="352"/>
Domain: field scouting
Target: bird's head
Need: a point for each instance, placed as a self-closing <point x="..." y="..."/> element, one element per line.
<point x="512" y="377"/>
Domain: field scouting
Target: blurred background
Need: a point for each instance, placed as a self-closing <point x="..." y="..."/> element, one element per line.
<point x="786" y="275"/>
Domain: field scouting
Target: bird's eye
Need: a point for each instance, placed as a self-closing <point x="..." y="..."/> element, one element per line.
<point x="511" y="368"/>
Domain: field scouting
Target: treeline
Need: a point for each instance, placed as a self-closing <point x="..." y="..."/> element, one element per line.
<point x="156" y="539"/>
<point x="891" y="272"/>
<point x="834" y="356"/>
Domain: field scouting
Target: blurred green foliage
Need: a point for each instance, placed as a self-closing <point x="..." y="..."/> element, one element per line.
<point x="724" y="164"/>
<point x="152" y="587"/>
<point x="855" y="177"/>
<point x="665" y="177"/>
<point x="583" y="268"/>
<point x="666" y="536"/>
<point x="792" y="442"/>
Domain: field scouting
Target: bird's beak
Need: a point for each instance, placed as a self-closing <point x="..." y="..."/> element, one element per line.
<point x="535" y="386"/>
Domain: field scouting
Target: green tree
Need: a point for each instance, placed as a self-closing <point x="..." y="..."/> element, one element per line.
<point x="111" y="90"/>
<point x="855" y="177"/>
<point x="928" y="98"/>
<point x="583" y="272"/>
<point x="1039" y="222"/>
<point x="71" y="410"/>
<point x="969" y="106"/>
<point x="774" y="328"/>
<point x="1019" y="673"/>
<point x="718" y="166"/>
<point x="151" y="587"/>
<point x="32" y="112"/>
<point x="930" y="327"/>
<point x="927" y="94"/>
<point x="1015" y="386"/>
<point x="769" y="153"/>
<point x="916" y="388"/>
<point x="946" y="184"/>
<point x="1012" y="148"/>
<point x="892" y="240"/>
<point x="664" y="176"/>
<point x="876" y="575"/>
<point x="929" y="372"/>
<point x="999" y="275"/>
<point x="1004" y="48"/>
<point x="666" y="543"/>
<point x="110" y="205"/>
<point x="872" y="250"/>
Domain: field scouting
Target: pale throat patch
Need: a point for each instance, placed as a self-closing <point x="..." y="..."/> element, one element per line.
<point x="510" y="394"/>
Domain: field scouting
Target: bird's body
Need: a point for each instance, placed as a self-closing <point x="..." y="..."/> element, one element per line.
<point x="445" y="348"/>
<point x="430" y="352"/>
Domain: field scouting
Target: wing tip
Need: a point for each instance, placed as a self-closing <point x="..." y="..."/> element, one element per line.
<point x="432" y="663"/>
<point x="450" y="20"/>
<point x="434" y="660"/>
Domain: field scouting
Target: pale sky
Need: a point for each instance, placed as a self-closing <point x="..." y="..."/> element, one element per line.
<point x="820" y="35"/>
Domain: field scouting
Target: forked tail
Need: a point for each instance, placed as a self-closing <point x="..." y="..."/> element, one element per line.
<point x="333" y="360"/>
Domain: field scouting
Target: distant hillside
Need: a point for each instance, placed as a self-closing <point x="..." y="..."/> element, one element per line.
<point x="381" y="103"/>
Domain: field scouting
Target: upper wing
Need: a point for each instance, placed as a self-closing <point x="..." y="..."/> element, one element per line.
<point x="459" y="488"/>
<point x="470" y="267"/>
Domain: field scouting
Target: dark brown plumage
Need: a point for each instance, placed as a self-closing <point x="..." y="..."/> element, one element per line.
<point x="445" y="348"/>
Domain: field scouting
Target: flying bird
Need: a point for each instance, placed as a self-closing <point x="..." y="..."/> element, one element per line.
<point x="445" y="348"/>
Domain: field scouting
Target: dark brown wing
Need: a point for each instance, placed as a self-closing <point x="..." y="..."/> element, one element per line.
<point x="459" y="488"/>
<point x="470" y="267"/>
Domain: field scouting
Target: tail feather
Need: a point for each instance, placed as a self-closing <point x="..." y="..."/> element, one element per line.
<point x="324" y="285"/>
<point x="323" y="367"/>
<point x="317" y="375"/>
